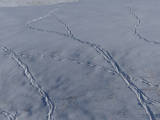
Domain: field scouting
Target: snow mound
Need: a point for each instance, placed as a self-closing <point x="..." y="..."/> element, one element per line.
<point x="14" y="3"/>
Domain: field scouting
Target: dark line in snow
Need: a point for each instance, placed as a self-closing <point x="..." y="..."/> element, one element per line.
<point x="143" y="99"/>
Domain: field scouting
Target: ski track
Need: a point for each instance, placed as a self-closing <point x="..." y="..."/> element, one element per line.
<point x="136" y="26"/>
<point x="9" y="115"/>
<point x="143" y="99"/>
<point x="32" y="80"/>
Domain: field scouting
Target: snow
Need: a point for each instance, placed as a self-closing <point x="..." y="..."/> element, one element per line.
<point x="90" y="60"/>
<point x="14" y="3"/>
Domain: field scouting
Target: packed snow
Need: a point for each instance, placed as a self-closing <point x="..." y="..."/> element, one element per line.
<point x="85" y="60"/>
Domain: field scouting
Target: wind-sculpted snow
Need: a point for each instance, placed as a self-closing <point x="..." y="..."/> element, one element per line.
<point x="9" y="116"/>
<point x="32" y="80"/>
<point x="143" y="99"/>
<point x="136" y="26"/>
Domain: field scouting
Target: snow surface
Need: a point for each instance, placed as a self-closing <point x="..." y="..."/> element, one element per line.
<point x="14" y="3"/>
<point x="86" y="60"/>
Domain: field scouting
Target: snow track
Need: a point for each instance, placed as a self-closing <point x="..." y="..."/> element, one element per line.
<point x="136" y="26"/>
<point x="39" y="29"/>
<point x="94" y="65"/>
<point x="79" y="62"/>
<point x="146" y="82"/>
<point x="91" y="64"/>
<point x="101" y="67"/>
<point x="32" y="80"/>
<point x="143" y="99"/>
<point x="9" y="115"/>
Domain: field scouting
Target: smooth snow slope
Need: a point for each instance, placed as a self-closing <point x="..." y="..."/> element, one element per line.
<point x="60" y="62"/>
<point x="14" y="3"/>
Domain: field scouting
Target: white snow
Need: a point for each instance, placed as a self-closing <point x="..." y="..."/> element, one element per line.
<point x="86" y="60"/>
<point x="14" y="3"/>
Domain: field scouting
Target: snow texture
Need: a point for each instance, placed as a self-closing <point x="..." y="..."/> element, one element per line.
<point x="14" y="3"/>
<point x="86" y="60"/>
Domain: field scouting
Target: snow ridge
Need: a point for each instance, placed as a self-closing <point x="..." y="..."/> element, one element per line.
<point x="143" y="99"/>
<point x="9" y="115"/>
<point x="136" y="26"/>
<point x="28" y="74"/>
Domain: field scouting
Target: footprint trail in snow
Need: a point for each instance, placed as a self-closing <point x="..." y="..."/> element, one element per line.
<point x="9" y="116"/>
<point x="32" y="80"/>
<point x="136" y="26"/>
<point x="143" y="99"/>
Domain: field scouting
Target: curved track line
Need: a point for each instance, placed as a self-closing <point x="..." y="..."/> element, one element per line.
<point x="136" y="26"/>
<point x="39" y="29"/>
<point x="143" y="99"/>
<point x="28" y="74"/>
<point x="9" y="115"/>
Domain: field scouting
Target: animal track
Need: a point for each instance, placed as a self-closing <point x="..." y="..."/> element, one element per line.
<point x="9" y="115"/>
<point x="136" y="26"/>
<point x="32" y="80"/>
<point x="143" y="99"/>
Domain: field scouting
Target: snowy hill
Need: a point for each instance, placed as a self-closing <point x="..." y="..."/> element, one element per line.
<point x="87" y="60"/>
<point x="13" y="3"/>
